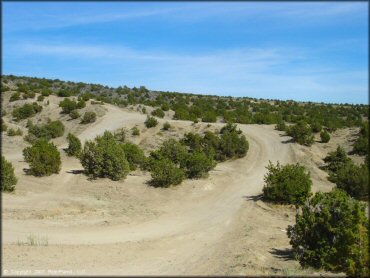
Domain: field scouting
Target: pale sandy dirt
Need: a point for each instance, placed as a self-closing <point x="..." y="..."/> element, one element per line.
<point x="212" y="226"/>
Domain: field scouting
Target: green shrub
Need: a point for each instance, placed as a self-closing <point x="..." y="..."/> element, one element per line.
<point x="26" y="111"/>
<point x="232" y="143"/>
<point x="301" y="133"/>
<point x="74" y="114"/>
<point x="43" y="157"/>
<point x="40" y="98"/>
<point x="8" y="179"/>
<point x="135" y="155"/>
<point x="158" y="113"/>
<point x="354" y="180"/>
<point x="120" y="135"/>
<point x="81" y="104"/>
<point x="336" y="160"/>
<point x="165" y="173"/>
<point x="74" y="145"/>
<point x="281" y="126"/>
<point x="68" y="105"/>
<point x="27" y="95"/>
<point x="325" y="136"/>
<point x="198" y="165"/>
<point x="331" y="232"/>
<point x="135" y="131"/>
<point x="289" y="184"/>
<point x="14" y="132"/>
<point x="166" y="126"/>
<point x="209" y="117"/>
<point x="88" y="117"/>
<point x="150" y="122"/>
<point x="15" y="96"/>
<point x="316" y="127"/>
<point x="52" y="129"/>
<point x="174" y="151"/>
<point x="105" y="157"/>
<point x="165" y="106"/>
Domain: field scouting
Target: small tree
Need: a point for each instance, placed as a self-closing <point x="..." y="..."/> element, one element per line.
<point x="88" y="117"/>
<point x="8" y="179"/>
<point x="166" y="126"/>
<point x="135" y="131"/>
<point x="74" y="114"/>
<point x="198" y="165"/>
<point x="43" y="157"/>
<point x="74" y="145"/>
<point x="105" y="157"/>
<point x="150" y="122"/>
<point x="158" y="113"/>
<point x="354" y="180"/>
<point x="135" y="156"/>
<point x="325" y="136"/>
<point x="336" y="160"/>
<point x="165" y="173"/>
<point x="331" y="232"/>
<point x="174" y="151"/>
<point x="301" y="133"/>
<point x="289" y="184"/>
<point x="281" y="126"/>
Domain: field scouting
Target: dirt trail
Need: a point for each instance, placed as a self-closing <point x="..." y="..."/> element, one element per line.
<point x="174" y="242"/>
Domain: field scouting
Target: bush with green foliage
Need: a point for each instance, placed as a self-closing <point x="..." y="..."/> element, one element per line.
<point x="325" y="136"/>
<point x="301" y="133"/>
<point x="52" y="129"/>
<point x="289" y="184"/>
<point x="27" y="95"/>
<point x="336" y="160"/>
<point x="105" y="158"/>
<point x="15" y="96"/>
<point x="26" y="111"/>
<point x="8" y="178"/>
<point x="316" y="126"/>
<point x="361" y="145"/>
<point x="209" y="117"/>
<point x="120" y="135"/>
<point x="232" y="143"/>
<point x="150" y="122"/>
<point x="68" y="105"/>
<point x="198" y="165"/>
<point x="158" y="113"/>
<point x="40" y="98"/>
<point x="74" y="114"/>
<point x="354" y="180"/>
<point x="165" y="173"/>
<point x="74" y="145"/>
<point x="173" y="150"/>
<point x="331" y="232"/>
<point x="134" y="155"/>
<point x="88" y="117"/>
<point x="166" y="126"/>
<point x="43" y="158"/>
<point x="135" y="131"/>
<point x="14" y="132"/>
<point x="281" y="126"/>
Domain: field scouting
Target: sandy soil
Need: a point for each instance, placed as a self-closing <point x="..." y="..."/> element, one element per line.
<point x="212" y="226"/>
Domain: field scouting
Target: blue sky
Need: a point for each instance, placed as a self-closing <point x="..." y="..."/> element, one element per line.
<point x="284" y="50"/>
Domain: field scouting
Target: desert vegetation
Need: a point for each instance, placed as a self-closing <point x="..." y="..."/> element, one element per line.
<point x="8" y="178"/>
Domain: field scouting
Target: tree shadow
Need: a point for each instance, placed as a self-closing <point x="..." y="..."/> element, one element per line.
<point x="253" y="198"/>
<point x="27" y="171"/>
<point x="75" y="172"/>
<point x="286" y="254"/>
<point x="291" y="140"/>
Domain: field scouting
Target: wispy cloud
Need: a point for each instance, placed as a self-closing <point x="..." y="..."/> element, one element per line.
<point x="259" y="72"/>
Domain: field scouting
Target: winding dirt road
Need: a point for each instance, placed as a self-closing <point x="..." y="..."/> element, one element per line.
<point x="176" y="241"/>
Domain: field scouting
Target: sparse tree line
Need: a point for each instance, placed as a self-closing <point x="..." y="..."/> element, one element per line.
<point x="111" y="156"/>
<point x="206" y="108"/>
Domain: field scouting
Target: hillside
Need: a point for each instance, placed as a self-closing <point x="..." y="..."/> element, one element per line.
<point x="214" y="225"/>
